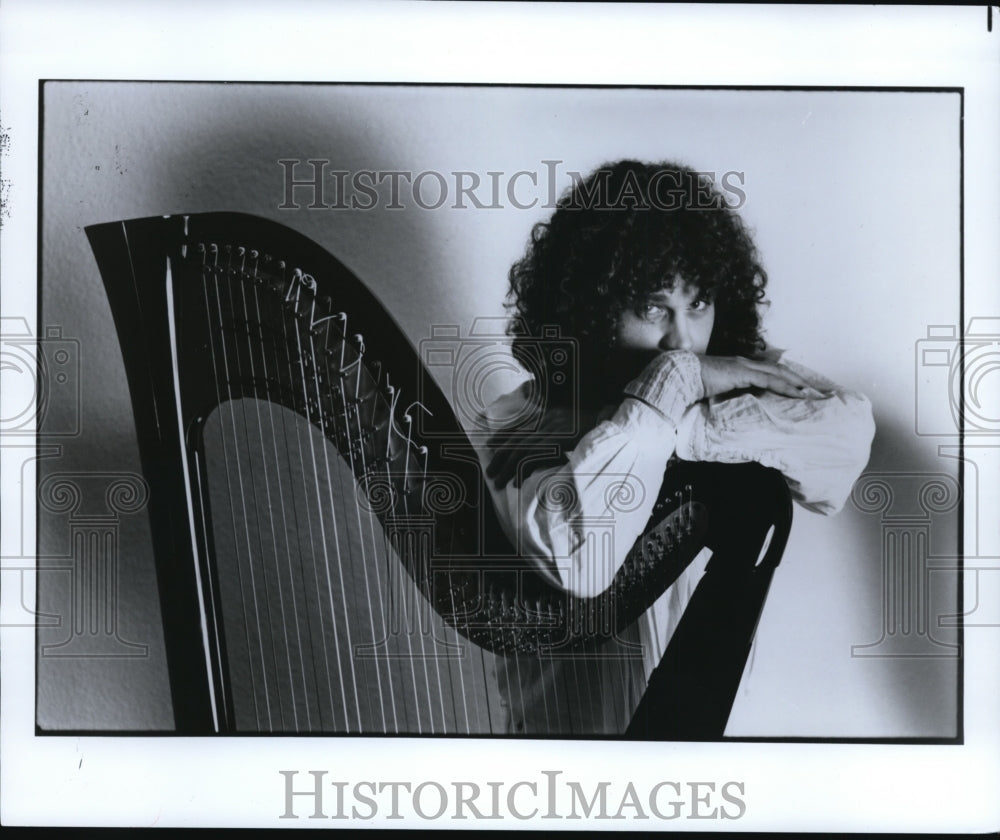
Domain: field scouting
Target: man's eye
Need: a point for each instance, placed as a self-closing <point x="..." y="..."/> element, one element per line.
<point x="700" y="305"/>
<point x="650" y="311"/>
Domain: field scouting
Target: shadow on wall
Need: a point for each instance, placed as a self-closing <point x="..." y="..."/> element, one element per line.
<point x="912" y="521"/>
<point x="229" y="165"/>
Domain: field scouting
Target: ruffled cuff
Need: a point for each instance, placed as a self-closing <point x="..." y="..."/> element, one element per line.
<point x="670" y="384"/>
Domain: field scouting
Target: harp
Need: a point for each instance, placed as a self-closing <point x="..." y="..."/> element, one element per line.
<point x="327" y="558"/>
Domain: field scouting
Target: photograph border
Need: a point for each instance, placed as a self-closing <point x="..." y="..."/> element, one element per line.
<point x="79" y="780"/>
<point x="958" y="738"/>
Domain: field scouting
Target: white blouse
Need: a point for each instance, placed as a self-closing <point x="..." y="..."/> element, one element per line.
<point x="611" y="479"/>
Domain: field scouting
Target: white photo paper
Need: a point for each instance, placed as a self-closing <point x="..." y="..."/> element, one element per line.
<point x="229" y="238"/>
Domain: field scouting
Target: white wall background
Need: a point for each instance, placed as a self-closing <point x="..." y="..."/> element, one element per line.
<point x="854" y="199"/>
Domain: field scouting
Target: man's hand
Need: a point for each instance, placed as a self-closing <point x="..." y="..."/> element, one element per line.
<point x="722" y="374"/>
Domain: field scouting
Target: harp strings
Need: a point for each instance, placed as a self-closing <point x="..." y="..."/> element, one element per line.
<point x="231" y="383"/>
<point x="385" y="462"/>
<point x="360" y="399"/>
<point x="255" y="552"/>
<point x="313" y="405"/>
<point x="304" y="359"/>
<point x="253" y="334"/>
<point x="269" y="374"/>
<point x="370" y="596"/>
<point x="222" y="378"/>
<point x="253" y="340"/>
<point x="312" y="539"/>
<point x="408" y="542"/>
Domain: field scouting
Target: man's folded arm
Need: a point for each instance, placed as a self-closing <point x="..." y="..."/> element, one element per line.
<point x="608" y="484"/>
<point x="821" y="446"/>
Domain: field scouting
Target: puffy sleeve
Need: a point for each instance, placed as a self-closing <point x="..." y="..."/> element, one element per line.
<point x="821" y="445"/>
<point x="600" y="497"/>
<point x="577" y="519"/>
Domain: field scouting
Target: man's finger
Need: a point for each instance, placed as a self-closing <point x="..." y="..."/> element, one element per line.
<point x="781" y="386"/>
<point x="773" y="369"/>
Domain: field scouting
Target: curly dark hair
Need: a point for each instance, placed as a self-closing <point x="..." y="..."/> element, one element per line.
<point x="620" y="235"/>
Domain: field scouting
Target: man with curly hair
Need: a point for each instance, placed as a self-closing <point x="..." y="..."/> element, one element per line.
<point x="659" y="282"/>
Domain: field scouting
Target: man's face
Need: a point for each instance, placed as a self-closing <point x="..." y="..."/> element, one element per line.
<point x="678" y="317"/>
